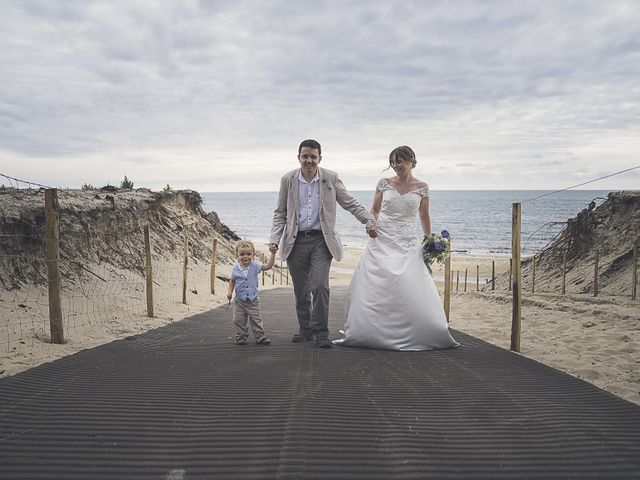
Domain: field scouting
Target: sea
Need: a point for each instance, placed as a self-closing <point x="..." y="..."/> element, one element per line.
<point x="479" y="221"/>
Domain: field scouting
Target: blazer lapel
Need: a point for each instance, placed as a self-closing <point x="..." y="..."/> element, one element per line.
<point x="294" y="191"/>
<point x="324" y="186"/>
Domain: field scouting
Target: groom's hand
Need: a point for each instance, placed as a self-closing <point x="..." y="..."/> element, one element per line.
<point x="273" y="247"/>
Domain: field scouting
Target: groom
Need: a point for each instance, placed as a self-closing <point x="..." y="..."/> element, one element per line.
<point x="304" y="220"/>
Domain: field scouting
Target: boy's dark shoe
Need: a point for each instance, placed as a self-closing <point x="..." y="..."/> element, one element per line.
<point x="241" y="341"/>
<point x="264" y="341"/>
<point x="325" y="343"/>
<point x="299" y="338"/>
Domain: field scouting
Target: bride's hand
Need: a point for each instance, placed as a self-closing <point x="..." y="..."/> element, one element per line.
<point x="371" y="231"/>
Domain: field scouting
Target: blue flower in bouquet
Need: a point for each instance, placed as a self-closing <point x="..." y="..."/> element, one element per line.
<point x="435" y="248"/>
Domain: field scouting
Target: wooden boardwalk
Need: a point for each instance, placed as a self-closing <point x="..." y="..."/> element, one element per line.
<point x="184" y="402"/>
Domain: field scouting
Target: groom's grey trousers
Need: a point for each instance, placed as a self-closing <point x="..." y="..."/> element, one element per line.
<point x="309" y="263"/>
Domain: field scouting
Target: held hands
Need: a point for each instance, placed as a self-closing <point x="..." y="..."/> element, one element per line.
<point x="371" y="229"/>
<point x="273" y="247"/>
<point x="229" y="295"/>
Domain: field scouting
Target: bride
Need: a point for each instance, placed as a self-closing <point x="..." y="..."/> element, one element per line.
<point x="392" y="301"/>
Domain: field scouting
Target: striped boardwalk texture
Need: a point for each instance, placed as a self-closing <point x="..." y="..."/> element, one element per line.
<point x="184" y="402"/>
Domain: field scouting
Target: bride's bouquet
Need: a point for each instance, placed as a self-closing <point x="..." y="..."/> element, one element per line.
<point x="435" y="248"/>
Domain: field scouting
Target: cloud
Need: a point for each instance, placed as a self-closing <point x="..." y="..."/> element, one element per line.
<point x="487" y="87"/>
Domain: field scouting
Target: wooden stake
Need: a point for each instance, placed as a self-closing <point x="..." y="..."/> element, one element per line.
<point x="184" y="270"/>
<point x="510" y="271"/>
<point x="52" y="231"/>
<point x="214" y="260"/>
<point x="447" y="285"/>
<point x="595" y="274"/>
<point x="477" y="278"/>
<point x="493" y="275"/>
<point x="281" y="272"/>
<point x="148" y="273"/>
<point x="516" y="316"/>
<point x="457" y="280"/>
<point x="263" y="278"/>
<point x="465" y="279"/>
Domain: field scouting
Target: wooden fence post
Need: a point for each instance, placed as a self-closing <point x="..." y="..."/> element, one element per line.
<point x="52" y="232"/>
<point x="595" y="274"/>
<point x="510" y="272"/>
<point x="447" y="285"/>
<point x="214" y="260"/>
<point x="281" y="272"/>
<point x="533" y="274"/>
<point x="477" y="278"/>
<point x="148" y="273"/>
<point x="184" y="269"/>
<point x="465" y="278"/>
<point x="263" y="278"/>
<point x="517" y="293"/>
<point x="564" y="273"/>
<point x="635" y="272"/>
<point x="493" y="274"/>
<point x="457" y="280"/>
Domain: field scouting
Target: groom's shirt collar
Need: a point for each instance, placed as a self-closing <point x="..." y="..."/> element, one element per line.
<point x="309" y="202"/>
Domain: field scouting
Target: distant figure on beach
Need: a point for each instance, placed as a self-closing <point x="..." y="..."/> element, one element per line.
<point x="392" y="301"/>
<point x="246" y="306"/>
<point x="304" y="223"/>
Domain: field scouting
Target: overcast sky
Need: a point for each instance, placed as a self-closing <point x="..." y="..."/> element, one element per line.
<point x="217" y="95"/>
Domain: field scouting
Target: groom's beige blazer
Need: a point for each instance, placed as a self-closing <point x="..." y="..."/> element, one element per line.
<point x="331" y="191"/>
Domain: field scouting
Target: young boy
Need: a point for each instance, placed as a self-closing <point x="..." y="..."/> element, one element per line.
<point x="244" y="280"/>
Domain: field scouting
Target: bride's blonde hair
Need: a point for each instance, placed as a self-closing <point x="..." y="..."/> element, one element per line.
<point x="403" y="153"/>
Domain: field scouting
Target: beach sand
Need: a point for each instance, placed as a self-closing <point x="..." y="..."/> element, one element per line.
<point x="596" y="339"/>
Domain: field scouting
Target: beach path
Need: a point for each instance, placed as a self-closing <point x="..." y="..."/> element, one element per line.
<point x="184" y="402"/>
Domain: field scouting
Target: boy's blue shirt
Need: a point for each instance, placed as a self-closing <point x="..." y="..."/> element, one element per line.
<point x="247" y="281"/>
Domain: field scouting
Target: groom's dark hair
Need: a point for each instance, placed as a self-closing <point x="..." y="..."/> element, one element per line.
<point x="310" y="144"/>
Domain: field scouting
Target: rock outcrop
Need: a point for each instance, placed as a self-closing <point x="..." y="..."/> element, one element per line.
<point x="99" y="227"/>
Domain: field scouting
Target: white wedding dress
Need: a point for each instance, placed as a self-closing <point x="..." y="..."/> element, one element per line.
<point x="392" y="301"/>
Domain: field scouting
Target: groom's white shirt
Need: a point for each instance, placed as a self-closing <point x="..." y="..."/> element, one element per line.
<point x="309" y="215"/>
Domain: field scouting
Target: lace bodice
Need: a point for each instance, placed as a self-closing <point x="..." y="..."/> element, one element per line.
<point x="398" y="213"/>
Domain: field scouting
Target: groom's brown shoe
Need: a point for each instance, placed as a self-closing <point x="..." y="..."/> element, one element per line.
<point x="299" y="338"/>
<point x="325" y="343"/>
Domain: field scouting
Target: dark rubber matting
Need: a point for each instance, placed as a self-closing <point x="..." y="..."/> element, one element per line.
<point x="183" y="401"/>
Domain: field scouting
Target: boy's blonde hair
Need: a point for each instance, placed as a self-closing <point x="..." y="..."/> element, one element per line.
<point x="245" y="244"/>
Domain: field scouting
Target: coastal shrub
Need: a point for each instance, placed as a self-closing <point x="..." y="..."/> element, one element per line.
<point x="126" y="183"/>
<point x="167" y="189"/>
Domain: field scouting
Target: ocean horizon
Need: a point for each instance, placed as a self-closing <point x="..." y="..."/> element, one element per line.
<point x="478" y="220"/>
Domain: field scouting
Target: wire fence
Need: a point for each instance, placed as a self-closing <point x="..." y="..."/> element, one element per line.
<point x="102" y="266"/>
<point x="573" y="277"/>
